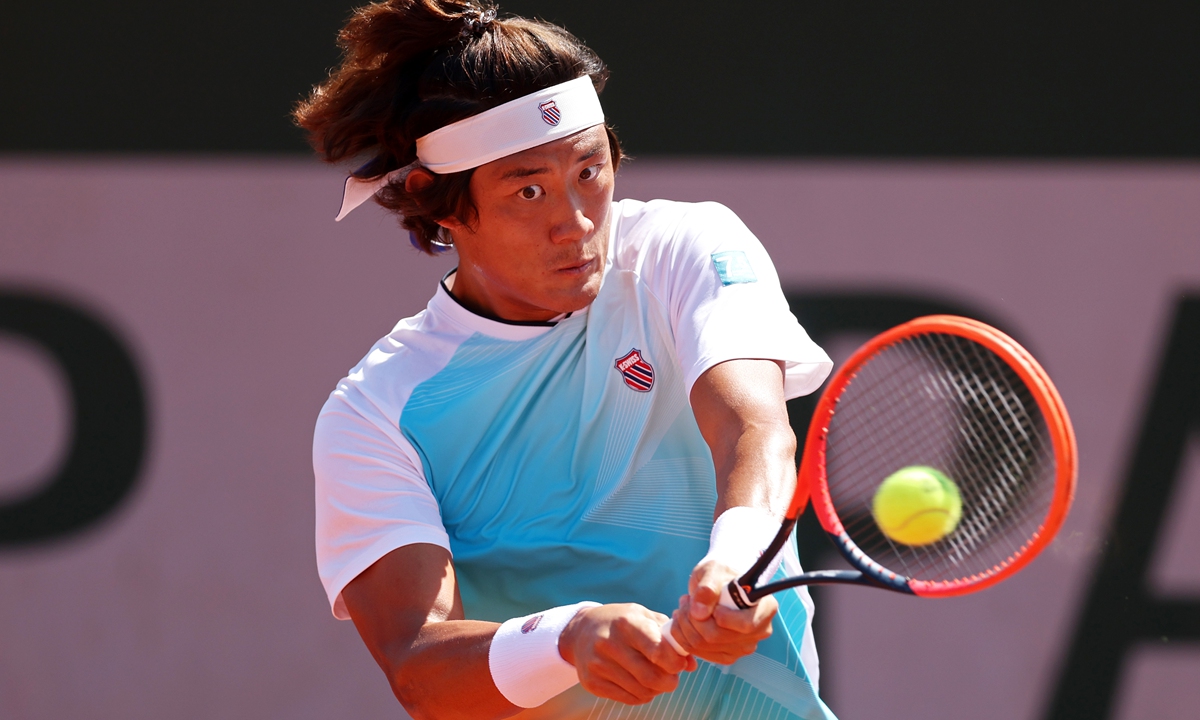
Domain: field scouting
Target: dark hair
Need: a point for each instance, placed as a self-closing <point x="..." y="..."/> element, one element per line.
<point x="410" y="67"/>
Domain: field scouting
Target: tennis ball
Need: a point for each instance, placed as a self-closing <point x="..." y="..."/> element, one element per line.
<point x="917" y="505"/>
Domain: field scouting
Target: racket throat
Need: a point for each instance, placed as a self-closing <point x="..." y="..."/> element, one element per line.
<point x="828" y="577"/>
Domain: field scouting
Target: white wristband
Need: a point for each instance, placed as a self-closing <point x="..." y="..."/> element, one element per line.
<point x="739" y="537"/>
<point x="524" y="658"/>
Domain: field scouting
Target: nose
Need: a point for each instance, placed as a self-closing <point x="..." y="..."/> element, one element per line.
<point x="571" y="223"/>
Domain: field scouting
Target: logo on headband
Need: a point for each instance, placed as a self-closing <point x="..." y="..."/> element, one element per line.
<point x="550" y="112"/>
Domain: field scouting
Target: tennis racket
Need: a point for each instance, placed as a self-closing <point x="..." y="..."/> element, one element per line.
<point x="940" y="392"/>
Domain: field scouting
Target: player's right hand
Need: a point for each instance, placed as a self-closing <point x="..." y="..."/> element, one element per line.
<point x="713" y="632"/>
<point x="620" y="654"/>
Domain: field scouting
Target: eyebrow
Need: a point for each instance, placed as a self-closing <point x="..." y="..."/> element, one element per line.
<point x="593" y="151"/>
<point x="524" y="172"/>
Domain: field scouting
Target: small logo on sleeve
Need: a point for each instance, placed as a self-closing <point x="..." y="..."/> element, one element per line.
<point x="531" y="624"/>
<point x="733" y="267"/>
<point x="635" y="371"/>
<point x="550" y="112"/>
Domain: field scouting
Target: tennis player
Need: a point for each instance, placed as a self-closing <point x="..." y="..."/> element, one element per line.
<point x="517" y="484"/>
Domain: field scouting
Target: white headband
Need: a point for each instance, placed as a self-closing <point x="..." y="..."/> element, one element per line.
<point x="507" y="129"/>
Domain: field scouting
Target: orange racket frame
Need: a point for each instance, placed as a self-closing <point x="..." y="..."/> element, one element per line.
<point x="812" y="479"/>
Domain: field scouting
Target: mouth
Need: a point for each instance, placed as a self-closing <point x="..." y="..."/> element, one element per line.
<point x="580" y="268"/>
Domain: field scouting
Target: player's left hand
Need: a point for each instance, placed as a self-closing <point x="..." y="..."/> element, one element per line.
<point x="713" y="632"/>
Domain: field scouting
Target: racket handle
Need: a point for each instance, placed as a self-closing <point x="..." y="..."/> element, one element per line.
<point x="726" y="600"/>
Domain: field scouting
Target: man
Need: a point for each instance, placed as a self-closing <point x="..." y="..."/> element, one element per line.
<point x="515" y="484"/>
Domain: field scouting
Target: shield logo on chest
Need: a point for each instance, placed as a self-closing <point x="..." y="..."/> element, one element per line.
<point x="635" y="371"/>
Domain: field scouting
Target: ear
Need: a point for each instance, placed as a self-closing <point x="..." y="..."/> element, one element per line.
<point x="419" y="180"/>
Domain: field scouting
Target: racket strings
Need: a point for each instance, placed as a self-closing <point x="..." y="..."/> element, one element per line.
<point x="997" y="436"/>
<point x="950" y="403"/>
<point x="1001" y="437"/>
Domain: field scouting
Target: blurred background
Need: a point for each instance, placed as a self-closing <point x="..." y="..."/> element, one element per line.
<point x="176" y="303"/>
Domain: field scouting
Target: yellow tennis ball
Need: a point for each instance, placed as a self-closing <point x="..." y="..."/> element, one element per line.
<point x="917" y="505"/>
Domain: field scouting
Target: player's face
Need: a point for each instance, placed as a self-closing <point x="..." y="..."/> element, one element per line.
<point x="539" y="244"/>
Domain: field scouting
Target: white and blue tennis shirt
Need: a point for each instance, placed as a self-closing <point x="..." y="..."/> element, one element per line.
<point x="561" y="462"/>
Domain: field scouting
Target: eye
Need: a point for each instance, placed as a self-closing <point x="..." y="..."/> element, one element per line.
<point x="591" y="173"/>
<point x="531" y="192"/>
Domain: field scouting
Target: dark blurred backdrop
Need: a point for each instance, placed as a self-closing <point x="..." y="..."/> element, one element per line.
<point x="1055" y="78"/>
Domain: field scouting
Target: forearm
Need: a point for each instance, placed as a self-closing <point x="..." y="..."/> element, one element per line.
<point x="444" y="673"/>
<point x="407" y="609"/>
<point x="410" y="616"/>
<point x="528" y="660"/>
<point x="740" y="408"/>
<point x="757" y="468"/>
<point x="742" y="414"/>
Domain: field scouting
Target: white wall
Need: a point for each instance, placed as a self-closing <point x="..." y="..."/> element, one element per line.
<point x="243" y="303"/>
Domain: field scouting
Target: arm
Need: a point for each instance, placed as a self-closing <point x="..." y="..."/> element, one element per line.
<point x="741" y="411"/>
<point x="742" y="414"/>
<point x="408" y="611"/>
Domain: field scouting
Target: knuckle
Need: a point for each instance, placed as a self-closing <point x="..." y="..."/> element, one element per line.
<point x="595" y="667"/>
<point x="587" y="683"/>
<point x="623" y="625"/>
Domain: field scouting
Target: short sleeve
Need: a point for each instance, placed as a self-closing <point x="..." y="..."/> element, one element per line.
<point x="371" y="494"/>
<point x="726" y="303"/>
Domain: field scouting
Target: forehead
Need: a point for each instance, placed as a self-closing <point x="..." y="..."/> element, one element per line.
<point x="564" y="151"/>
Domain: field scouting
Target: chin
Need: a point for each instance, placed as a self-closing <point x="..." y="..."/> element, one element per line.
<point x="580" y="298"/>
<point x="577" y="303"/>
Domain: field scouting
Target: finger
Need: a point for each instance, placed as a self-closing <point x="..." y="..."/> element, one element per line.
<point x="707" y="592"/>
<point x="608" y="689"/>
<point x="755" y="621"/>
<point x="646" y="639"/>
<point x="711" y="636"/>
<point x="711" y="642"/>
<point x="669" y="653"/>
<point x="686" y="631"/>
<point x="639" y="648"/>
<point x="703" y="650"/>
<point x="609" y="665"/>
<point x="637" y="674"/>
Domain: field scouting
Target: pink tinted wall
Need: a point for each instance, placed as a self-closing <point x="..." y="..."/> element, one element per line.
<point x="243" y="303"/>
